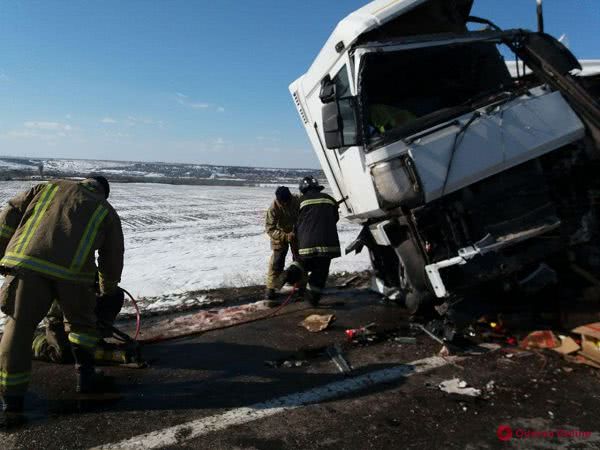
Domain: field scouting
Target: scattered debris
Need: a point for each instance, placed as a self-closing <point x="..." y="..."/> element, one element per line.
<point x="405" y="340"/>
<point x="590" y="340"/>
<point x="490" y="385"/>
<point x="348" y="282"/>
<point x="427" y="332"/>
<point x="580" y="359"/>
<point x="288" y="363"/>
<point x="567" y="345"/>
<point x="362" y="332"/>
<point x="444" y="351"/>
<point x="317" y="322"/>
<point x="460" y="387"/>
<point x="335" y="353"/>
<point x="540" y="339"/>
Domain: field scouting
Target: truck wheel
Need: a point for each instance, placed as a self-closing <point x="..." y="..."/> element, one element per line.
<point x="413" y="281"/>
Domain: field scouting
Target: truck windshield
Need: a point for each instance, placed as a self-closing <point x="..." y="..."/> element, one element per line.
<point x="405" y="91"/>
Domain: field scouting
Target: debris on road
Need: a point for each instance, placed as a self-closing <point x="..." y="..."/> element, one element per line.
<point x="317" y="322"/>
<point x="444" y="351"/>
<point x="418" y="326"/>
<point x="590" y="340"/>
<point x="567" y="345"/>
<point x="360" y="333"/>
<point x="580" y="359"/>
<point x="405" y="340"/>
<point x="460" y="387"/>
<point x="288" y="363"/>
<point x="540" y="339"/>
<point x="348" y="282"/>
<point x="336" y="355"/>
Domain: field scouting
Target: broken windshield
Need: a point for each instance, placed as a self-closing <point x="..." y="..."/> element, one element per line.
<point x="405" y="91"/>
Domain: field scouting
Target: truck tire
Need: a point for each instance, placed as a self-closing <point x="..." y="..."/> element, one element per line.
<point x="411" y="272"/>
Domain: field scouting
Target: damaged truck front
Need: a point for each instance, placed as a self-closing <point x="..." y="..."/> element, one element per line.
<point x="463" y="172"/>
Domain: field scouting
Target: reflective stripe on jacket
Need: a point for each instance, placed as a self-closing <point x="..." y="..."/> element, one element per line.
<point x="316" y="230"/>
<point x="55" y="228"/>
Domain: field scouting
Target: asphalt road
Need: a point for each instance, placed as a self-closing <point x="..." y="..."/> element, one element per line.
<point x="231" y="389"/>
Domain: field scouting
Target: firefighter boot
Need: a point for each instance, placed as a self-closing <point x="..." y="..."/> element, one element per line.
<point x="312" y="298"/>
<point x="12" y="412"/>
<point x="88" y="379"/>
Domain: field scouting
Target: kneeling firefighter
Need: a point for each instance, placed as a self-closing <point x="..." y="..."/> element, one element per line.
<point x="318" y="241"/>
<point x="48" y="239"/>
<point x="52" y="344"/>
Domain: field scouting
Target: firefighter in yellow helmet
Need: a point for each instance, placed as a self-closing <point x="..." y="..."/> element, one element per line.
<point x="279" y="225"/>
<point x="49" y="236"/>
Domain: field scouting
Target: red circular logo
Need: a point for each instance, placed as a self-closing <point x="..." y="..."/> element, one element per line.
<point x="504" y="432"/>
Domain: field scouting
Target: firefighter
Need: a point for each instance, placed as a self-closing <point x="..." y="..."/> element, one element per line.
<point x="52" y="343"/>
<point x="49" y="236"/>
<point x="317" y="237"/>
<point x="280" y="221"/>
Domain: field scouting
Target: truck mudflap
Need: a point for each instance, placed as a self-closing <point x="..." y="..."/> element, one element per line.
<point x="489" y="244"/>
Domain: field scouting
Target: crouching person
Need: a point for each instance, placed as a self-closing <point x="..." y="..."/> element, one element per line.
<point x="52" y="344"/>
<point x="48" y="239"/>
<point x="318" y="241"/>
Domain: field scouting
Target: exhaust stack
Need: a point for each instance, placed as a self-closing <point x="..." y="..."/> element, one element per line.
<point x="540" y="16"/>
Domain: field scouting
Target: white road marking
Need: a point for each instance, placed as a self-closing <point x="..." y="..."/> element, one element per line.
<point x="190" y="430"/>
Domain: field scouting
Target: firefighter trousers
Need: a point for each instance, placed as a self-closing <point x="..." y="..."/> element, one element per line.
<point x="276" y="266"/>
<point x="25" y="298"/>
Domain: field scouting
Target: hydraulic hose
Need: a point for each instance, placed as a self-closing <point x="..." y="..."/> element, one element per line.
<point x="138" y="316"/>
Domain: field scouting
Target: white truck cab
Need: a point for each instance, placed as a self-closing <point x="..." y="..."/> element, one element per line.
<point x="455" y="162"/>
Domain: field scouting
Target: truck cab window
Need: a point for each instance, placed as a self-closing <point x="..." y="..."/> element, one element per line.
<point x="401" y="89"/>
<point x="346" y="106"/>
<point x="342" y="85"/>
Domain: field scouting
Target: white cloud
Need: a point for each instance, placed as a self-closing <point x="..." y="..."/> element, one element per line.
<point x="184" y="100"/>
<point x="41" y="130"/>
<point x="68" y="116"/>
<point x="3" y="76"/>
<point x="108" y="120"/>
<point x="21" y="134"/>
<point x="133" y="121"/>
<point x="221" y="109"/>
<point x="48" y="126"/>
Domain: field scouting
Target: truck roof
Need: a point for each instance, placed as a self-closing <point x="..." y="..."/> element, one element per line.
<point x="349" y="29"/>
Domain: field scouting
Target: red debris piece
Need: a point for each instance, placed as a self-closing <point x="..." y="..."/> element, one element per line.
<point x="540" y="339"/>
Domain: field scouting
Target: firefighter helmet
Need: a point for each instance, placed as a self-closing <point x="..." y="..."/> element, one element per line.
<point x="308" y="183"/>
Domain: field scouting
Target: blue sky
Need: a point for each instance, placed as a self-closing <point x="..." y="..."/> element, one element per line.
<point x="188" y="81"/>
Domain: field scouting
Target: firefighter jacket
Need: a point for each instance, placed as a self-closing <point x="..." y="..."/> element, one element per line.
<point x="316" y="230"/>
<point x="54" y="229"/>
<point x="281" y="220"/>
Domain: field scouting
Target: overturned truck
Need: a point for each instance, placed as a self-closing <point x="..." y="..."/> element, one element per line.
<point x="465" y="170"/>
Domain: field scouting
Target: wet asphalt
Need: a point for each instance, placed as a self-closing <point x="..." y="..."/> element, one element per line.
<point x="212" y="373"/>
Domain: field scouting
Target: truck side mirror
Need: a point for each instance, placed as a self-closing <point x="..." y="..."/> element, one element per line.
<point x="340" y="124"/>
<point x="327" y="92"/>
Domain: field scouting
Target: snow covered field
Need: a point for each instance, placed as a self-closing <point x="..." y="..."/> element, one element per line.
<point x="184" y="238"/>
